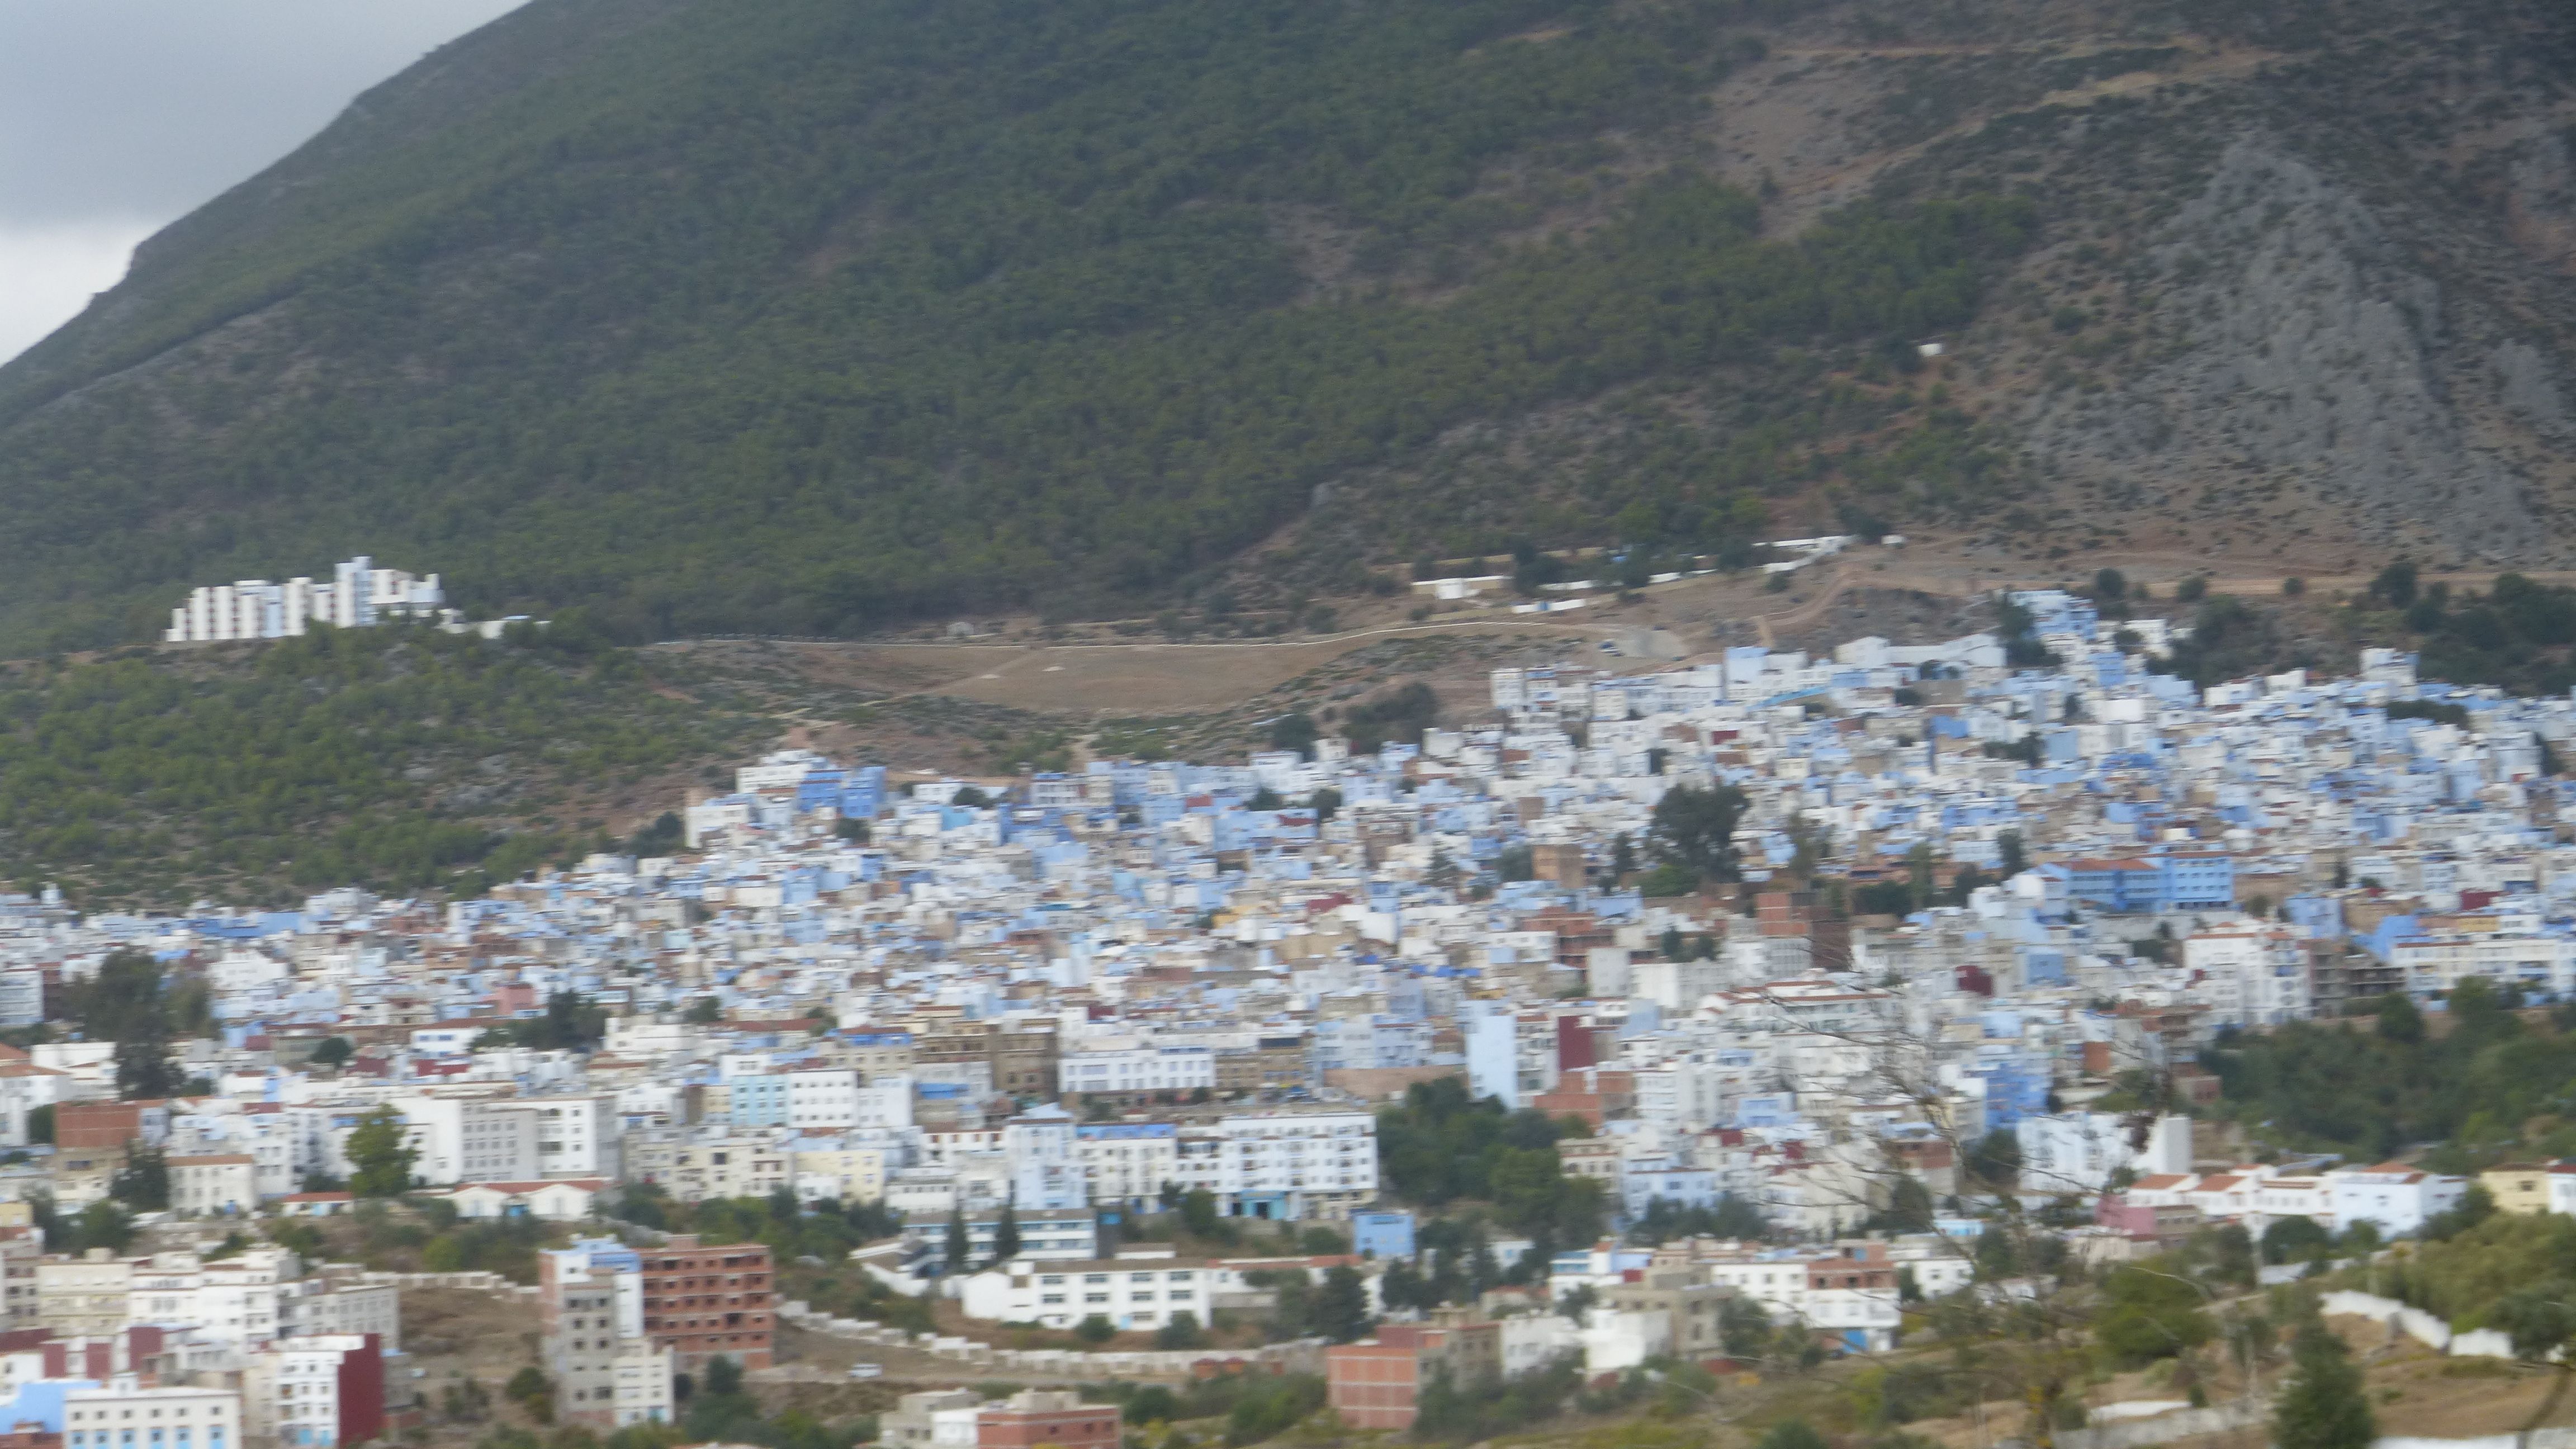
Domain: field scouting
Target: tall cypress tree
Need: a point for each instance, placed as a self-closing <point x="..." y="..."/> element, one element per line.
<point x="1006" y="1235"/>
<point x="2324" y="1406"/>
<point x="956" y="1238"/>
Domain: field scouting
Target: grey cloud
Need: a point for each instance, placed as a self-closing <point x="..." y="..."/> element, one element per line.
<point x="147" y="108"/>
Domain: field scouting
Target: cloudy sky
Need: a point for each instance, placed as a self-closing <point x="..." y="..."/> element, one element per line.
<point x="120" y="116"/>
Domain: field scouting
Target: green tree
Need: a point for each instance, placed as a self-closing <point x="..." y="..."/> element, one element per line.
<point x="957" y="1246"/>
<point x="1919" y="862"/>
<point x="2324" y="1405"/>
<point x="1181" y="1332"/>
<point x="1792" y="1434"/>
<point x="2150" y="1314"/>
<point x="380" y="1160"/>
<point x="40" y="1124"/>
<point x="333" y="1051"/>
<point x="1200" y="1217"/>
<point x="143" y="1069"/>
<point x="1908" y="1210"/>
<point x="2294" y="1240"/>
<point x="104" y="1224"/>
<point x="703" y="1011"/>
<point x="1341" y="1306"/>
<point x="1994" y="1162"/>
<point x="2399" y="1020"/>
<point x="1095" y="1329"/>
<point x="1006" y="1235"/>
<point x="1694" y="828"/>
<point x="1743" y="1327"/>
<point x="527" y="1384"/>
<point x="1295" y="730"/>
<point x="143" y="1183"/>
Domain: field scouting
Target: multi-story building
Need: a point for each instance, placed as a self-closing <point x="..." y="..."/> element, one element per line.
<point x="693" y="1164"/>
<point x="1135" y="1290"/>
<point x="323" y="1391"/>
<point x="1128" y="1163"/>
<point x="705" y="1302"/>
<point x="1283" y="1165"/>
<point x="358" y="596"/>
<point x="1377" y="1383"/>
<point x="1022" y="1057"/>
<point x="1046" y="1234"/>
<point x="1138" y="1073"/>
<point x="120" y="1413"/>
<point x="838" y="1172"/>
<point x="88" y="1296"/>
<point x="220" y="1183"/>
<point x="608" y="1370"/>
<point x="247" y="1300"/>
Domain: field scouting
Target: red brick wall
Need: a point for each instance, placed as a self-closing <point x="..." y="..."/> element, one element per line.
<point x="1091" y="1426"/>
<point x="709" y="1301"/>
<point x="1373" y="1385"/>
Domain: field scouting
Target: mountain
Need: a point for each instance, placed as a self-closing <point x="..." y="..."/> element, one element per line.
<point x="819" y="315"/>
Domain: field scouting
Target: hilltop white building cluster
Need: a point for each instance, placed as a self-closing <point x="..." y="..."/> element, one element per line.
<point x="1974" y="897"/>
<point x="358" y="596"/>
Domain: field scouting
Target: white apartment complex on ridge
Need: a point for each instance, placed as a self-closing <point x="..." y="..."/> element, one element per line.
<point x="359" y="595"/>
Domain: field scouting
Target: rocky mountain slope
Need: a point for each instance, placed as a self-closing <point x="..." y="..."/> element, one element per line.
<point x="817" y="316"/>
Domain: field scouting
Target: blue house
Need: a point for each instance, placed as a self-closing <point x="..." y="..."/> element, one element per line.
<point x="1382" y="1235"/>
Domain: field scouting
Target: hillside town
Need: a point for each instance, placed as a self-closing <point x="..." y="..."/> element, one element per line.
<point x="1786" y="951"/>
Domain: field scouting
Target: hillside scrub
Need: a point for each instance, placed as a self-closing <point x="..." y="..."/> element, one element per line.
<point x="391" y="758"/>
<point x="2370" y="1086"/>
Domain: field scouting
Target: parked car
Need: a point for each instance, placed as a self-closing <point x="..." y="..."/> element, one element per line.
<point x="867" y="1370"/>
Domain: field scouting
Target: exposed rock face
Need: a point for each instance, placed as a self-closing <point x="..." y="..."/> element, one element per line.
<point x="2540" y="203"/>
<point x="2528" y="388"/>
<point x="2307" y="348"/>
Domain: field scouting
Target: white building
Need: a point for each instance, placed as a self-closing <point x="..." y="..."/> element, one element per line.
<point x="358" y="596"/>
<point x="2250" y="976"/>
<point x="292" y="1389"/>
<point x="1142" y="1290"/>
<point x="23" y="1088"/>
<point x="22" y="997"/>
<point x="2439" y="962"/>
<point x="1140" y="1069"/>
<point x="823" y="1099"/>
<point x="1283" y="1165"/>
<point x="1046" y="1172"/>
<point x="2395" y="1197"/>
<point x="117" y="1414"/>
<point x="1128" y="1163"/>
<point x="221" y="1183"/>
<point x="2073" y="1152"/>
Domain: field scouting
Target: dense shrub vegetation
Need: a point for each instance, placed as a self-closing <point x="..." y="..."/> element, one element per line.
<point x="2491" y="1085"/>
<point x="1440" y="1147"/>
<point x="391" y="758"/>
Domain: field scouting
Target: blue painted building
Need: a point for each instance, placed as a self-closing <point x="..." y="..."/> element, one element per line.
<point x="1382" y="1235"/>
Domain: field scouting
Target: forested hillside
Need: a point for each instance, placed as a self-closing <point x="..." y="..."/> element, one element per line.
<point x="2487" y="1086"/>
<point x="817" y="315"/>
<point x="401" y="759"/>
